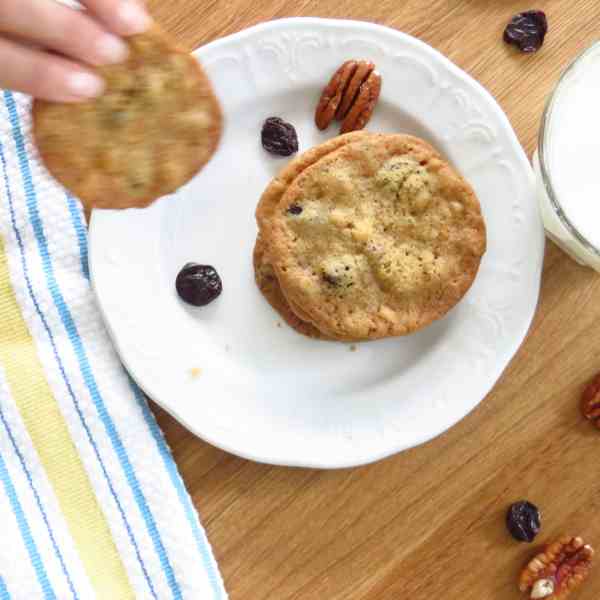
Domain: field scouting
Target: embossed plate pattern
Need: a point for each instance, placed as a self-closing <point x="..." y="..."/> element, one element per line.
<point x="263" y="391"/>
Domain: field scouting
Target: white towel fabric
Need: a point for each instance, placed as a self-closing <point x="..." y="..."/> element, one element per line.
<point x="159" y="540"/>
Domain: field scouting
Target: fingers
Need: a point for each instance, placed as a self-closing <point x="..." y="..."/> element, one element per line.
<point x="54" y="26"/>
<point x="44" y="75"/>
<point x="124" y="17"/>
<point x="31" y="28"/>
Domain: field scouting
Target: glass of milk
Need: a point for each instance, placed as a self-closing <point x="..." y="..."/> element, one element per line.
<point x="567" y="162"/>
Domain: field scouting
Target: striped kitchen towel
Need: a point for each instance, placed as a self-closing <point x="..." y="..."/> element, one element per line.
<point x="91" y="503"/>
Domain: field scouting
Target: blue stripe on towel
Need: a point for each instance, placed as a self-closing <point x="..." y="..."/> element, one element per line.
<point x="38" y="501"/>
<point x="4" y="595"/>
<point x="184" y="497"/>
<point x="32" y="550"/>
<point x="80" y="232"/>
<point x="84" y="366"/>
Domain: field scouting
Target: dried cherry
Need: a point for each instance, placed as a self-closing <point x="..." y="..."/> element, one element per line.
<point x="198" y="285"/>
<point x="527" y="30"/>
<point x="523" y="520"/>
<point x="294" y="209"/>
<point x="279" y="137"/>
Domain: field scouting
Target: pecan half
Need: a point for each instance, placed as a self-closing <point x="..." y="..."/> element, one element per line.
<point x="350" y="96"/>
<point x="590" y="401"/>
<point x="332" y="94"/>
<point x="363" y="69"/>
<point x="558" y="570"/>
<point x="362" y="109"/>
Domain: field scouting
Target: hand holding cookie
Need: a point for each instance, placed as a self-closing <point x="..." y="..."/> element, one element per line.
<point x="152" y="129"/>
<point x="46" y="48"/>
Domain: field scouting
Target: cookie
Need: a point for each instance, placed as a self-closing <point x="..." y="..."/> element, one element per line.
<point x="292" y="314"/>
<point x="269" y="286"/>
<point x="264" y="274"/>
<point x="155" y="126"/>
<point x="378" y="238"/>
<point x="272" y="195"/>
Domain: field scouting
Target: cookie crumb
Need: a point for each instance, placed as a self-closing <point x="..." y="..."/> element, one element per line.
<point x="195" y="372"/>
<point x="278" y="323"/>
<point x="353" y="348"/>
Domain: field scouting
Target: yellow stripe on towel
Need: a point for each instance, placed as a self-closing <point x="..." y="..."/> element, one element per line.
<point x="50" y="435"/>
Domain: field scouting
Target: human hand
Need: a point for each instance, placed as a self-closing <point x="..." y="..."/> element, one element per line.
<point x="45" y="46"/>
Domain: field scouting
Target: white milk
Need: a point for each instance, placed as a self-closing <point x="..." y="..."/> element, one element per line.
<point x="571" y="154"/>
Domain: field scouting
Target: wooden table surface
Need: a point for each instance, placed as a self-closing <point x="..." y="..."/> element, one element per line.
<point x="428" y="523"/>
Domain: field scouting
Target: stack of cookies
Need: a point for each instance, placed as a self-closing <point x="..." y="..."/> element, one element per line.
<point x="367" y="236"/>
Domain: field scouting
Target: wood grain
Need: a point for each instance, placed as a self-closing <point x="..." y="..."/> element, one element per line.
<point x="429" y="522"/>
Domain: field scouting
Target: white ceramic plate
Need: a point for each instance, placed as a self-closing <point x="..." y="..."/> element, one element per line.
<point x="265" y="392"/>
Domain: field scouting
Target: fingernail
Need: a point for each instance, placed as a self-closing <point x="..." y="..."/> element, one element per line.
<point x="111" y="49"/>
<point x="133" y="17"/>
<point x="86" y="85"/>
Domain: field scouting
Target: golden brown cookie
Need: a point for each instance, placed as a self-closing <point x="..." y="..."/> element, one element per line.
<point x="377" y="238"/>
<point x="156" y="124"/>
<point x="278" y="186"/>
<point x="269" y="286"/>
<point x="264" y="274"/>
<point x="266" y="280"/>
